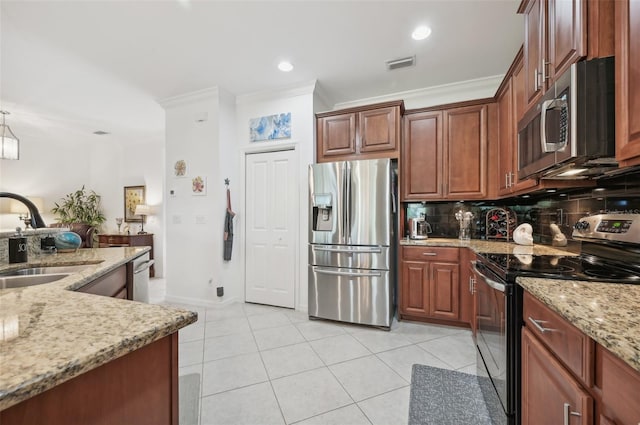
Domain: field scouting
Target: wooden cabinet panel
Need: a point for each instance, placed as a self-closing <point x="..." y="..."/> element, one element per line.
<point x="465" y="148"/>
<point x="627" y="64"/>
<point x="445" y="291"/>
<point x="567" y="342"/>
<point x="138" y="388"/>
<point x="534" y="49"/>
<point x="415" y="288"/>
<point x="112" y="284"/>
<point x="445" y="153"/>
<point x="567" y="35"/>
<point x="549" y="392"/>
<point x="379" y="130"/>
<point x="507" y="142"/>
<point x="367" y="132"/>
<point x="620" y="389"/>
<point x="337" y="135"/>
<point x="422" y="156"/>
<point x="430" y="284"/>
<point x="430" y="253"/>
<point x="118" y="239"/>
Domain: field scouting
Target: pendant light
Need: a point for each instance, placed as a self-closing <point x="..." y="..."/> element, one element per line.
<point x="9" y="143"/>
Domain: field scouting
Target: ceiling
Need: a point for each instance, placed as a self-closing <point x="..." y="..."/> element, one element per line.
<point x="69" y="68"/>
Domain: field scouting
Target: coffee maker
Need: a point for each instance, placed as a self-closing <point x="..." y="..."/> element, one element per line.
<point x="419" y="228"/>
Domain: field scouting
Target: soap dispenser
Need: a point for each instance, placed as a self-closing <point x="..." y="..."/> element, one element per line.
<point x="18" y="247"/>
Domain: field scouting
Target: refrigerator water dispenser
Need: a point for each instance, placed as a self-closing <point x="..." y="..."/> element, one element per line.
<point x="322" y="213"/>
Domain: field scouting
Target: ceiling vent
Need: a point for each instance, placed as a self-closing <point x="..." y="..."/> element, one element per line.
<point x="100" y="133"/>
<point x="401" y="63"/>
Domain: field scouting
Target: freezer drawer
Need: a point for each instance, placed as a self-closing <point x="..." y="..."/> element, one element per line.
<point x="351" y="295"/>
<point x="349" y="256"/>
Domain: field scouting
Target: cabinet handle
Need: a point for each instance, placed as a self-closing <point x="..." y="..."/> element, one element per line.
<point x="432" y="254"/>
<point x="536" y="87"/>
<point x="472" y="285"/>
<point x="537" y="324"/>
<point x="506" y="180"/>
<point x="512" y="177"/>
<point x="545" y="75"/>
<point x="568" y="412"/>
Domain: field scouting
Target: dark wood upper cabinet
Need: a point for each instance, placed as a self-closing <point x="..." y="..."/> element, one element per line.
<point x="534" y="48"/>
<point x="627" y="48"/>
<point x="422" y="156"/>
<point x="445" y="151"/>
<point x="359" y="133"/>
<point x="567" y="35"/>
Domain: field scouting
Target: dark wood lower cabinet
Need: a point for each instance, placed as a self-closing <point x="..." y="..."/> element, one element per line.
<point x="139" y="388"/>
<point x="619" y="388"/>
<point x="430" y="284"/>
<point x="550" y="394"/>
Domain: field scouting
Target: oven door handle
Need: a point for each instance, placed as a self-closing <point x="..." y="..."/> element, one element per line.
<point x="492" y="283"/>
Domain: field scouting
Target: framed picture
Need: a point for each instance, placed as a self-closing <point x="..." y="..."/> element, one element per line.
<point x="199" y="186"/>
<point x="270" y="127"/>
<point x="180" y="168"/>
<point x="133" y="195"/>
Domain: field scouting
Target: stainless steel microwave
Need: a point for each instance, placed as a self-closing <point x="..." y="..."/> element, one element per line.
<point x="570" y="133"/>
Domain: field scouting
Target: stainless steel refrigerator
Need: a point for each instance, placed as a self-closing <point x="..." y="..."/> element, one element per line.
<point x="352" y="216"/>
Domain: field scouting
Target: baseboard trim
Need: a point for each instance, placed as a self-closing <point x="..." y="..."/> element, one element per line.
<point x="200" y="302"/>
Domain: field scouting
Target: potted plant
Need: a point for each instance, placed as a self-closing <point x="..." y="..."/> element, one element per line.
<point x="81" y="212"/>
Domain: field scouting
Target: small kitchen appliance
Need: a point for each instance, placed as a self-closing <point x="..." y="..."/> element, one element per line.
<point x="420" y="228"/>
<point x="610" y="253"/>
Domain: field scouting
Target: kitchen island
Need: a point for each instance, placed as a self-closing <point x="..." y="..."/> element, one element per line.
<point x="55" y="338"/>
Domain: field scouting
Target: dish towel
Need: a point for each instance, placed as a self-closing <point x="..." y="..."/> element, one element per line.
<point x="228" y="229"/>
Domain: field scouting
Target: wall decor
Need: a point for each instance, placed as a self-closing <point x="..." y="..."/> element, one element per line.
<point x="199" y="185"/>
<point x="133" y="195"/>
<point x="180" y="168"/>
<point x="270" y="127"/>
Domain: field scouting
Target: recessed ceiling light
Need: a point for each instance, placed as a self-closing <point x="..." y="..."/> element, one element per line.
<point x="100" y="133"/>
<point x="285" y="66"/>
<point x="421" y="32"/>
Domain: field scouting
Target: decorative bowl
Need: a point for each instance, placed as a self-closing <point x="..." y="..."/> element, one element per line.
<point x="67" y="241"/>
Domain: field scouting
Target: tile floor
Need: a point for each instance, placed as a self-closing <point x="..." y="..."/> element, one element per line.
<point x="266" y="365"/>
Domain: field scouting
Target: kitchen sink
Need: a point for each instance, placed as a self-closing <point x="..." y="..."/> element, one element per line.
<point x="29" y="271"/>
<point x="8" y="282"/>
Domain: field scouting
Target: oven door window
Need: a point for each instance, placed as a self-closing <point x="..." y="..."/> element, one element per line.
<point x="492" y="337"/>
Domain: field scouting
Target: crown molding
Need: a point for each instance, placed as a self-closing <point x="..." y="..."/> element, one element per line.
<point x="436" y="95"/>
<point x="292" y="90"/>
<point x="188" y="98"/>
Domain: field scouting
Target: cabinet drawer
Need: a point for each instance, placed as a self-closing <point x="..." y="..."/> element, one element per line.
<point x="114" y="240"/>
<point x="430" y="253"/>
<point x="568" y="343"/>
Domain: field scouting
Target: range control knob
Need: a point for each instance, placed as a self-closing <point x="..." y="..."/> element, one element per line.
<point x="581" y="225"/>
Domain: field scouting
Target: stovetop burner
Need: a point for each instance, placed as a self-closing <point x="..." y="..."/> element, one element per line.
<point x="509" y="266"/>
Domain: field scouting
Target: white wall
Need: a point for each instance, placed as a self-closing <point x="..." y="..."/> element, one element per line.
<point x="193" y="223"/>
<point x="299" y="100"/>
<point x="217" y="148"/>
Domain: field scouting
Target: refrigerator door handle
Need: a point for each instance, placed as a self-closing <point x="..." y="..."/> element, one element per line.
<point x="347" y="274"/>
<point x="349" y="250"/>
<point x="348" y="204"/>
<point x="345" y="201"/>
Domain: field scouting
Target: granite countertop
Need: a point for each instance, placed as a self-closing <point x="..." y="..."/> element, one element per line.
<point x="606" y="312"/>
<point x="51" y="333"/>
<point x="488" y="247"/>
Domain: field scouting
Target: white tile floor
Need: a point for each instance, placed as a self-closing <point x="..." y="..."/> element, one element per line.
<point x="266" y="365"/>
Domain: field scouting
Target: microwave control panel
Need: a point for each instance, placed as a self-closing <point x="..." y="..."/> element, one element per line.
<point x="614" y="227"/>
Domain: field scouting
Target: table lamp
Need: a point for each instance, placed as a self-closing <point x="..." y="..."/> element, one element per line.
<point x="143" y="210"/>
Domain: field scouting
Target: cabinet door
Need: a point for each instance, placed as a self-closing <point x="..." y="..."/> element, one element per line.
<point x="336" y="136"/>
<point x="379" y="129"/>
<point x="465" y="152"/>
<point x="550" y="395"/>
<point x="534" y="49"/>
<point x="566" y="31"/>
<point x="627" y="48"/>
<point x="444" y="287"/>
<point x="415" y="289"/>
<point x="507" y="142"/>
<point x="422" y="156"/>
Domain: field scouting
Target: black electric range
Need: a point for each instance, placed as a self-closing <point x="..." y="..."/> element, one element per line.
<point x="610" y="252"/>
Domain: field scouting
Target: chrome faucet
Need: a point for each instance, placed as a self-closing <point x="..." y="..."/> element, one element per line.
<point x="36" y="219"/>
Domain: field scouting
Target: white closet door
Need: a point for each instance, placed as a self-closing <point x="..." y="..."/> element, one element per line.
<point x="271" y="217"/>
